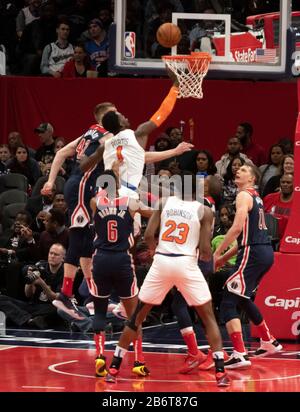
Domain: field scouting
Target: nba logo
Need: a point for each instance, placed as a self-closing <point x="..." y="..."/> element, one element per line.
<point x="129" y="44"/>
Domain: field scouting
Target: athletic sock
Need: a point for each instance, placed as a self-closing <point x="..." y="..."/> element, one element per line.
<point x="67" y="287"/>
<point x="237" y="341"/>
<point x="264" y="332"/>
<point x="218" y="357"/>
<point x="99" y="339"/>
<point x="138" y="350"/>
<point x="190" y="339"/>
<point x="118" y="357"/>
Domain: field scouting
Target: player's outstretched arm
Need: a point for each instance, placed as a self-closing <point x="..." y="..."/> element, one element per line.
<point x="136" y="206"/>
<point x="244" y="203"/>
<point x="159" y="116"/>
<point x="88" y="162"/>
<point x="221" y="261"/>
<point x="153" y="157"/>
<point x="59" y="159"/>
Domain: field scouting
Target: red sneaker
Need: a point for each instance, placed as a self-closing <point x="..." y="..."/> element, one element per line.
<point x="111" y="376"/>
<point x="192" y="362"/>
<point x="222" y="379"/>
<point x="209" y="362"/>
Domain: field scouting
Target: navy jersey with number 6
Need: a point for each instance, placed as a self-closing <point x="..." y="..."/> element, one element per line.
<point x="113" y="225"/>
<point x="254" y="231"/>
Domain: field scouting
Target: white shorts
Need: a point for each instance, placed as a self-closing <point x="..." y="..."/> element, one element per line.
<point x="180" y="271"/>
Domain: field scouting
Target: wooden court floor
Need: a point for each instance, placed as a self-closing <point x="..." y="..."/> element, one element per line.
<point x="33" y="362"/>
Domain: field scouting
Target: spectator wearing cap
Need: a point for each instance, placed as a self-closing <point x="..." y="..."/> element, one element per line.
<point x="98" y="47"/>
<point x="56" y="54"/>
<point x="45" y="132"/>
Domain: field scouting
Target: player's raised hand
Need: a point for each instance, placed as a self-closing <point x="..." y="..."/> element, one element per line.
<point x="183" y="147"/>
<point x="47" y="189"/>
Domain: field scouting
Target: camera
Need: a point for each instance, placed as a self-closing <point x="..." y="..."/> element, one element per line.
<point x="32" y="274"/>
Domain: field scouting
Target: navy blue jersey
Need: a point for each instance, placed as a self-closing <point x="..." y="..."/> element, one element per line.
<point x="87" y="145"/>
<point x="254" y="231"/>
<point x="113" y="225"/>
<point x="79" y="188"/>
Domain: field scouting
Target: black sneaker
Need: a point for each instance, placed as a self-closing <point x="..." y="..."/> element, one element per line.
<point x="38" y="322"/>
<point x="67" y="305"/>
<point x="237" y="361"/>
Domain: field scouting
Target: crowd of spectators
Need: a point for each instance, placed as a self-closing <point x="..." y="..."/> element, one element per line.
<point x="26" y="244"/>
<point x="70" y="38"/>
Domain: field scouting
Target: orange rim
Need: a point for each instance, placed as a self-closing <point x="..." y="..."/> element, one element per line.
<point x="191" y="57"/>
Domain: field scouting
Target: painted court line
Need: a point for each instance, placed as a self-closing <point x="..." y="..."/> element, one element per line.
<point x="43" y="387"/>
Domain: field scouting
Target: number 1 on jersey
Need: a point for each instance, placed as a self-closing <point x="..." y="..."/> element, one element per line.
<point x="119" y="153"/>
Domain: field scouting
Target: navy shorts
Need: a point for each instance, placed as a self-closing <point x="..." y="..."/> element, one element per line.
<point x="251" y="264"/>
<point x="78" y="193"/>
<point x="80" y="244"/>
<point x="113" y="271"/>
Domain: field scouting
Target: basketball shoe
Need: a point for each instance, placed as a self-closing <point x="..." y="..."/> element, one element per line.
<point x="140" y="369"/>
<point x="222" y="379"/>
<point x="67" y="305"/>
<point x="111" y="376"/>
<point x="192" y="362"/>
<point x="119" y="311"/>
<point x="209" y="362"/>
<point x="100" y="366"/>
<point x="267" y="348"/>
<point x="237" y="360"/>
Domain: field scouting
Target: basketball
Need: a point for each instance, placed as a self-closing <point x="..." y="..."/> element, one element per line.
<point x="168" y="35"/>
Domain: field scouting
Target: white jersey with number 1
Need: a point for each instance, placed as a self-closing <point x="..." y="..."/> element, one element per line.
<point x="179" y="227"/>
<point x="124" y="146"/>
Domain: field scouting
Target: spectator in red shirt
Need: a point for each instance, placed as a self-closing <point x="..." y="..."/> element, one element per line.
<point x="254" y="151"/>
<point x="279" y="204"/>
<point x="79" y="64"/>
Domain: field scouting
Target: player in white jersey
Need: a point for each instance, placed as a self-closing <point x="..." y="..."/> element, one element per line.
<point x="128" y="145"/>
<point x="185" y="227"/>
<point x="126" y="148"/>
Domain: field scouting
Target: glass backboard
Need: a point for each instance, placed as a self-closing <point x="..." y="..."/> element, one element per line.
<point x="242" y="44"/>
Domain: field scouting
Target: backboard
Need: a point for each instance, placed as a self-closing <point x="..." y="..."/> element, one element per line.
<point x="255" y="46"/>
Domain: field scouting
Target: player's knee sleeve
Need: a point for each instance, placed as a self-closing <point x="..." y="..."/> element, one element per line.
<point x="99" y="319"/>
<point x="131" y="323"/>
<point x="228" y="307"/>
<point x="251" y="311"/>
<point x="180" y="310"/>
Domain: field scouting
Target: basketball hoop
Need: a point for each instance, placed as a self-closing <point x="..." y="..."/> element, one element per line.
<point x="190" y="71"/>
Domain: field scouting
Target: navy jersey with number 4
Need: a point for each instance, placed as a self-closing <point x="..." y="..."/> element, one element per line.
<point x="113" y="225"/>
<point x="254" y="231"/>
<point x="87" y="145"/>
<point x="79" y="188"/>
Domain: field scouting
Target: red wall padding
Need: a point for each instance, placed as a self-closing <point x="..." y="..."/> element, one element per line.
<point x="68" y="104"/>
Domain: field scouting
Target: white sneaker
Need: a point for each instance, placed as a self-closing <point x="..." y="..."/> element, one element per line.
<point x="119" y="311"/>
<point x="237" y="360"/>
<point x="267" y="348"/>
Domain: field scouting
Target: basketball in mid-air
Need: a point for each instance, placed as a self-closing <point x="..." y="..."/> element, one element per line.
<point x="168" y="35"/>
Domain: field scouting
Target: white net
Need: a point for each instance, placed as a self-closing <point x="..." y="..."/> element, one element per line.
<point x="190" y="71"/>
